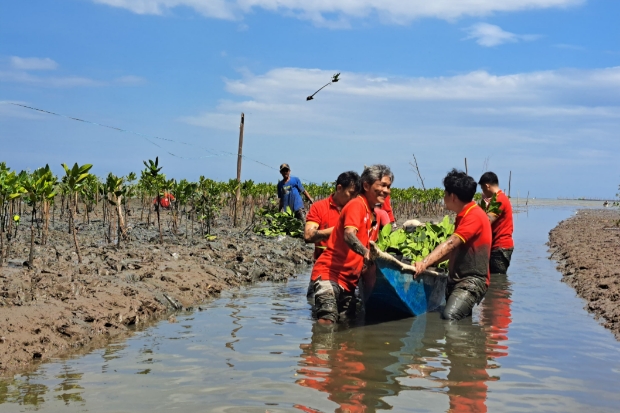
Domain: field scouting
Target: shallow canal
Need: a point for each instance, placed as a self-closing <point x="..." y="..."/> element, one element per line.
<point x="530" y="346"/>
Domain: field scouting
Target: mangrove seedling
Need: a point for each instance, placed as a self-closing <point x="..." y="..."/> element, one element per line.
<point x="39" y="187"/>
<point x="72" y="181"/>
<point x="154" y="183"/>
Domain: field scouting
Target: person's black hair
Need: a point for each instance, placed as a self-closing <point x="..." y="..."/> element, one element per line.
<point x="346" y="179"/>
<point x="488" y="178"/>
<point x="460" y="184"/>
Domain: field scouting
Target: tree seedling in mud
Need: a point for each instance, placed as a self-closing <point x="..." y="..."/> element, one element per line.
<point x="153" y="181"/>
<point x="115" y="191"/>
<point x="10" y="188"/>
<point x="72" y="182"/>
<point x="208" y="202"/>
<point x="418" y="244"/>
<point x="39" y="186"/>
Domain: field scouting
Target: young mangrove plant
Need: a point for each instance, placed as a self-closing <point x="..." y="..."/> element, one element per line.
<point x="208" y="202"/>
<point x="418" y="244"/>
<point x="273" y="223"/>
<point x="153" y="181"/>
<point x="10" y="188"/>
<point x="39" y="186"/>
<point x="115" y="192"/>
<point x="72" y="182"/>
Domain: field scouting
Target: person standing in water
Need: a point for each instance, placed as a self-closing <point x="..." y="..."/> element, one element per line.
<point x="289" y="192"/>
<point x="501" y="224"/>
<point x="324" y="214"/>
<point x="468" y="248"/>
<point x="336" y="273"/>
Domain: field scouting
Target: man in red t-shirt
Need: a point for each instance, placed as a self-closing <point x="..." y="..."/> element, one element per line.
<point x="323" y="215"/>
<point x="501" y="225"/>
<point x="468" y="249"/>
<point x="336" y="273"/>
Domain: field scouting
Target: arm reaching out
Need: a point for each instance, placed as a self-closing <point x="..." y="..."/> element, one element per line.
<point x="308" y="197"/>
<point x="350" y="237"/>
<point x="439" y="254"/>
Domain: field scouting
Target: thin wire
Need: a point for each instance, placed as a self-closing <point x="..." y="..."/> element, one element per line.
<point x="148" y="138"/>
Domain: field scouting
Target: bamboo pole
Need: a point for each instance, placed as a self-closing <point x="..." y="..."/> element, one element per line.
<point x="509" y="180"/>
<point x="239" y="159"/>
<point x="467" y="173"/>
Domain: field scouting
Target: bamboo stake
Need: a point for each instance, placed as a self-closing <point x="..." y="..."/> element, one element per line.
<point x="239" y="159"/>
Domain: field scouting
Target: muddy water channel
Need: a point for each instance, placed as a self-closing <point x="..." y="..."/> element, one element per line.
<point x="529" y="346"/>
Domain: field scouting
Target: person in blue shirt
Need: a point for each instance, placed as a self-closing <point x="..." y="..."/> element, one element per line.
<point x="289" y="192"/>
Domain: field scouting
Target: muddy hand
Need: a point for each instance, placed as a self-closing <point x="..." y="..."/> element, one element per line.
<point x="376" y="253"/>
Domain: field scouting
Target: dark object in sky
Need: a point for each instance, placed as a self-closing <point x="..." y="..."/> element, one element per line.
<point x="335" y="78"/>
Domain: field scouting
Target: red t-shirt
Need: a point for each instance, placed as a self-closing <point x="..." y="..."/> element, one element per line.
<point x="502" y="227"/>
<point x="387" y="207"/>
<point x="338" y="262"/>
<point x="471" y="259"/>
<point x="325" y="214"/>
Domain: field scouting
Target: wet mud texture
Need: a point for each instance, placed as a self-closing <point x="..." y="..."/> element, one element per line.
<point x="587" y="249"/>
<point x="59" y="306"/>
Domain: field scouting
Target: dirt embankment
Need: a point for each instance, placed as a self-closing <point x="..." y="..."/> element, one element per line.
<point x="59" y="305"/>
<point x="587" y="248"/>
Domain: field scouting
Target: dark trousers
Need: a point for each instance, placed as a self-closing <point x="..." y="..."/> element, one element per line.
<point x="332" y="302"/>
<point x="300" y="214"/>
<point x="462" y="295"/>
<point x="500" y="260"/>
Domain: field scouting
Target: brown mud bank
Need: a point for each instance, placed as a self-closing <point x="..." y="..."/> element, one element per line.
<point x="587" y="249"/>
<point x="59" y="306"/>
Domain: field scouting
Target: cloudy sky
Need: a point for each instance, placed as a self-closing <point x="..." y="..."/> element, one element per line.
<point x="528" y="86"/>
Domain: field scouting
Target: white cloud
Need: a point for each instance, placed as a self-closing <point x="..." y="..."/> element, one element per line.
<point x="130" y="80"/>
<point x="532" y="118"/>
<point x="32" y="63"/>
<point x="490" y="35"/>
<point x="21" y="67"/>
<point x="51" y="81"/>
<point x="337" y="13"/>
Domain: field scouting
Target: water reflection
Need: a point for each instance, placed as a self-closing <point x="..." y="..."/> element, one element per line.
<point x="361" y="367"/>
<point x="69" y="388"/>
<point x="23" y="391"/>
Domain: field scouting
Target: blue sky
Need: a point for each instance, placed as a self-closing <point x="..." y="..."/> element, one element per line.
<point x="528" y="86"/>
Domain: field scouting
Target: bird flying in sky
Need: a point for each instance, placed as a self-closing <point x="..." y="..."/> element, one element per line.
<point x="335" y="78"/>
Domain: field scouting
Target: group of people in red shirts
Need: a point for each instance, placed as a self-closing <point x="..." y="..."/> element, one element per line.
<point x="342" y="226"/>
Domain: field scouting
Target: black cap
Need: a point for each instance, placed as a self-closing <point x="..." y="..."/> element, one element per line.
<point x="284" y="166"/>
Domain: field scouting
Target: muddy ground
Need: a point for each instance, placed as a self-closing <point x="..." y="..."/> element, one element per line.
<point x="587" y="249"/>
<point x="59" y="305"/>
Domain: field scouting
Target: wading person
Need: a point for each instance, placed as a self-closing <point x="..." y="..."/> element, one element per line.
<point x="501" y="224"/>
<point x="468" y="249"/>
<point x="336" y="273"/>
<point x="289" y="192"/>
<point x="323" y="215"/>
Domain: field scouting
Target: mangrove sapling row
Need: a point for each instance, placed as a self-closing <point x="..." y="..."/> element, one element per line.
<point x="415" y="246"/>
<point x="82" y="198"/>
<point x="414" y="202"/>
